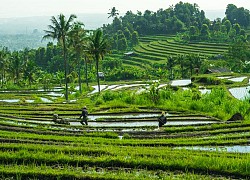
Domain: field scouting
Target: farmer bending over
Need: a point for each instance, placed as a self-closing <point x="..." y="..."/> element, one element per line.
<point x="162" y="119"/>
<point x="84" y="115"/>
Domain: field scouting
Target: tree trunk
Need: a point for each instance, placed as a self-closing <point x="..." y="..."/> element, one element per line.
<point x="79" y="74"/>
<point x="66" y="69"/>
<point x="86" y="72"/>
<point x="97" y="68"/>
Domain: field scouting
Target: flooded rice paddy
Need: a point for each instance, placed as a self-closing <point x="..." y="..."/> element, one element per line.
<point x="240" y="93"/>
<point x="183" y="82"/>
<point x="234" y="79"/>
<point x="120" y="120"/>
<point x="237" y="79"/>
<point x="231" y="149"/>
<point x="140" y="123"/>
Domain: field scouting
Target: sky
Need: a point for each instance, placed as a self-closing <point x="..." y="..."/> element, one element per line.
<point x="27" y="8"/>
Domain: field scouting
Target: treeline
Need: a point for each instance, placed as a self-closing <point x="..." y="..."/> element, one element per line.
<point x="230" y="28"/>
<point x="31" y="66"/>
<point x="175" y="19"/>
<point x="184" y="18"/>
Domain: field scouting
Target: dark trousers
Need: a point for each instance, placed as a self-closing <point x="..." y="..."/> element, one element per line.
<point x="84" y="120"/>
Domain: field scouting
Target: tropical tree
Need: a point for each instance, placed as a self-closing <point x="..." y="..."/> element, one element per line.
<point x="3" y="64"/>
<point x="29" y="71"/>
<point x="181" y="59"/>
<point x="170" y="66"/>
<point x="135" y="38"/>
<point x="78" y="40"/>
<point x="59" y="30"/>
<point x="16" y="66"/>
<point x="98" y="47"/>
<point x="205" y="34"/>
<point x="228" y="25"/>
<point x="113" y="12"/>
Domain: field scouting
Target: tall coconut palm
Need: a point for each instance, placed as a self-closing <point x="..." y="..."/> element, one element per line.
<point x="4" y="61"/>
<point x="113" y="12"/>
<point x="78" y="40"/>
<point x="98" y="47"/>
<point x="170" y="66"/>
<point x="59" y="30"/>
<point x="181" y="60"/>
<point x="86" y="62"/>
<point x="16" y="66"/>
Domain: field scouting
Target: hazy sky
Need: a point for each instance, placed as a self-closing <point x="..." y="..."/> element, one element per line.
<point x="23" y="8"/>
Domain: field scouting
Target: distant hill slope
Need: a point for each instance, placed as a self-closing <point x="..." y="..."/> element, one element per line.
<point x="16" y="42"/>
<point x="156" y="49"/>
<point x="19" y="33"/>
<point x="26" y="25"/>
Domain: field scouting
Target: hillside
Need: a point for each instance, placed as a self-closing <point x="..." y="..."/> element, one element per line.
<point x="19" y="33"/>
<point x="156" y="49"/>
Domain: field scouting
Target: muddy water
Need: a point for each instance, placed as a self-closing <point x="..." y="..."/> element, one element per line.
<point x="140" y="123"/>
<point x="102" y="87"/>
<point x="134" y="123"/>
<point x="128" y="86"/>
<point x="117" y="124"/>
<point x="238" y="79"/>
<point x="10" y="100"/>
<point x="183" y="82"/>
<point x="224" y="77"/>
<point x="56" y="94"/>
<point x="235" y="149"/>
<point x="46" y="100"/>
<point x="240" y="92"/>
<point x="124" y="116"/>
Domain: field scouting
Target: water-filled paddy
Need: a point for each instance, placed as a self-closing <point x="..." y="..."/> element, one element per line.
<point x="183" y="82"/>
<point x="240" y="92"/>
<point x="232" y="149"/>
<point x="123" y="120"/>
<point x="237" y="79"/>
<point x="140" y="123"/>
<point x="46" y="100"/>
<point x="10" y="100"/>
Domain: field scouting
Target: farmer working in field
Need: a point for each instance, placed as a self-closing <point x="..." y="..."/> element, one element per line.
<point x="84" y="115"/>
<point x="162" y="119"/>
<point x="58" y="120"/>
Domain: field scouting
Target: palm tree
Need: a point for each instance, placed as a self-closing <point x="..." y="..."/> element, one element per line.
<point x="16" y="66"/>
<point x="170" y="66"/>
<point x="87" y="61"/>
<point x="113" y="12"/>
<point x="194" y="62"/>
<point x="181" y="59"/>
<point x="4" y="61"/>
<point x="78" y="40"/>
<point x="59" y="30"/>
<point x="98" y="47"/>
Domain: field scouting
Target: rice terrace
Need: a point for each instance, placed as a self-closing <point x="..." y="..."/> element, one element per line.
<point x="89" y="104"/>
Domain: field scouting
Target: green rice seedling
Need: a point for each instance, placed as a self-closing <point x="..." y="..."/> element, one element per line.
<point x="126" y="136"/>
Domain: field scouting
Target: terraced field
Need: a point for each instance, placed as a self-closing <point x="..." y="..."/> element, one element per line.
<point x="119" y="142"/>
<point x="157" y="49"/>
<point x="33" y="147"/>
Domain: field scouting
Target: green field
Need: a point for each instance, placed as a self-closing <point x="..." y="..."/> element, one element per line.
<point x="156" y="49"/>
<point x="33" y="147"/>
